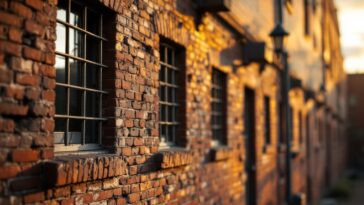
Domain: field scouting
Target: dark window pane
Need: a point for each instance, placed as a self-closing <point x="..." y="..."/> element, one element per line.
<point x="161" y="74"/>
<point x="162" y="113"/>
<point x="93" y="48"/>
<point x="92" y="131"/>
<point x="76" y="43"/>
<point x="170" y="57"/>
<point x="59" y="131"/>
<point x="61" y="38"/>
<point x="92" y="76"/>
<point x="92" y="104"/>
<point x="76" y="102"/>
<point x="93" y="22"/>
<point x="76" y="15"/>
<point x="60" y="69"/>
<point x="61" y="100"/>
<point x="163" y="94"/>
<point x="76" y="71"/>
<point x="75" y="131"/>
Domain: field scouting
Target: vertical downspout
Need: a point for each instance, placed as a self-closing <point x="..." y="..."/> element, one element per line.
<point x="285" y="93"/>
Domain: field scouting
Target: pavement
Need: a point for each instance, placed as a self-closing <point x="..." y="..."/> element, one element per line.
<point x="356" y="197"/>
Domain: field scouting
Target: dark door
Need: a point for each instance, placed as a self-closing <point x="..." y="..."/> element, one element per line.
<point x="250" y="158"/>
<point x="309" y="158"/>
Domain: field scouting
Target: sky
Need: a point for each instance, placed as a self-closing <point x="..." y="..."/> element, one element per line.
<point x="351" y="18"/>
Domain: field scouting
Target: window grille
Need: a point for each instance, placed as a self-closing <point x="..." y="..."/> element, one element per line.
<point x="169" y="92"/>
<point x="218" y="111"/>
<point x="79" y="67"/>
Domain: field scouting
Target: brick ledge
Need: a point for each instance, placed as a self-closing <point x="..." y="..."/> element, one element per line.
<point x="175" y="157"/>
<point x="66" y="170"/>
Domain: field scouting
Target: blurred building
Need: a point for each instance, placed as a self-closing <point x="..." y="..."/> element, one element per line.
<point x="355" y="119"/>
<point x="167" y="102"/>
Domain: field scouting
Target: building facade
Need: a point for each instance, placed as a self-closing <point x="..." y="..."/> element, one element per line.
<point x="167" y="102"/>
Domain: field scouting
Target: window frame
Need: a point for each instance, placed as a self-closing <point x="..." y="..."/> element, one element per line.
<point x="222" y="101"/>
<point x="178" y="89"/>
<point x="86" y="91"/>
<point x="267" y="121"/>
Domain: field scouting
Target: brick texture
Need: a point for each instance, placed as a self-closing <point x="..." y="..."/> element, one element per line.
<point x="133" y="169"/>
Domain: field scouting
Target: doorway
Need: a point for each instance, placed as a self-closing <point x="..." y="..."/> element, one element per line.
<point x="250" y="146"/>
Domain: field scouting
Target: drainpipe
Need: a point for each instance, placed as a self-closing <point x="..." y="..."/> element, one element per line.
<point x="285" y="93"/>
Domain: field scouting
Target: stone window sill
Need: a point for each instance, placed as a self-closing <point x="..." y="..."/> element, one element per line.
<point x="175" y="157"/>
<point x="70" y="169"/>
<point x="220" y="153"/>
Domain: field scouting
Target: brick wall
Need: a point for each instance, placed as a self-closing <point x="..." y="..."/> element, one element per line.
<point x="134" y="170"/>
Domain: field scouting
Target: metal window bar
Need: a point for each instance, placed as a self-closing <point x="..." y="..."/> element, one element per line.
<point x="82" y="58"/>
<point x="168" y="88"/>
<point x="217" y="105"/>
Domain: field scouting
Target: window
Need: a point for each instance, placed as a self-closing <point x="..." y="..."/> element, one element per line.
<point x="267" y="135"/>
<point x="79" y="68"/>
<point x="218" y="106"/>
<point x="171" y="88"/>
<point x="300" y="126"/>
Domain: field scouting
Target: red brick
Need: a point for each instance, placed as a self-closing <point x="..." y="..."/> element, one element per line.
<point x="11" y="48"/>
<point x="87" y="198"/>
<point x="50" y="59"/>
<point x="48" y="125"/>
<point x="62" y="192"/>
<point x="126" y="151"/>
<point x="7" y="125"/>
<point x="120" y="201"/>
<point x="9" y="108"/>
<point x="49" y="95"/>
<point x="68" y="201"/>
<point x="9" y="171"/>
<point x="79" y="188"/>
<point x="105" y="195"/>
<point x="10" y="19"/>
<point x="48" y="71"/>
<point x="47" y="154"/>
<point x="33" y="27"/>
<point x="20" y="9"/>
<point x="132" y="198"/>
<point x="5" y="76"/>
<point x="33" y="54"/>
<point x="42" y="19"/>
<point x="32" y="93"/>
<point x="34" y="197"/>
<point x="15" y="35"/>
<point x="27" y="79"/>
<point x="35" y="4"/>
<point x="15" y="92"/>
<point x="25" y="155"/>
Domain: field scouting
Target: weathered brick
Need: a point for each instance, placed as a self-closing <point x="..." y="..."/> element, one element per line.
<point x="19" y="9"/>
<point x="34" y="197"/>
<point x="9" y="171"/>
<point x="35" y="4"/>
<point x="33" y="54"/>
<point x="15" y="35"/>
<point x="25" y="155"/>
<point x="10" y="19"/>
<point x="8" y="108"/>
<point x="27" y="79"/>
<point x="34" y="28"/>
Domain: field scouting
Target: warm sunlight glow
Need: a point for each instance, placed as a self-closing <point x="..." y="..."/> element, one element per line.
<point x="351" y="17"/>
